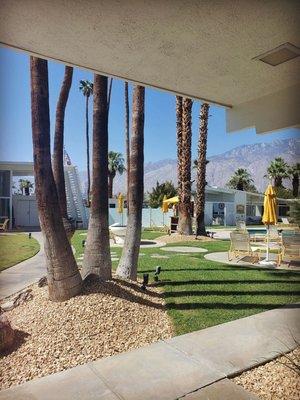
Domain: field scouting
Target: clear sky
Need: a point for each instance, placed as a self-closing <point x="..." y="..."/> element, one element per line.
<point x="160" y="133"/>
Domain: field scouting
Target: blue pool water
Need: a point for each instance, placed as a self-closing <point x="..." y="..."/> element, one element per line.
<point x="257" y="231"/>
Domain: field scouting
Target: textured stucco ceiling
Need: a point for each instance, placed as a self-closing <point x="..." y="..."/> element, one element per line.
<point x="203" y="49"/>
<point x="199" y="48"/>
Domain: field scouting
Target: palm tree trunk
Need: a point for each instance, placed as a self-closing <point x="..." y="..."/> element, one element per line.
<point x="278" y="181"/>
<point x="201" y="171"/>
<point x="110" y="184"/>
<point x="64" y="280"/>
<point x="184" y="208"/>
<point x="127" y="140"/>
<point x="87" y="149"/>
<point x="179" y="142"/>
<point x="58" y="153"/>
<point x="295" y="184"/>
<point x="109" y="97"/>
<point x="128" y="264"/>
<point x="96" y="261"/>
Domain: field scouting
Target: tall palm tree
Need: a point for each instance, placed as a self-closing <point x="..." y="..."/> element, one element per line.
<point x="201" y="170"/>
<point x="96" y="261"/>
<point x="86" y="88"/>
<point x="185" y="158"/>
<point x="128" y="264"/>
<point x="127" y="137"/>
<point x="241" y="180"/>
<point x="64" y="279"/>
<point x="294" y="172"/>
<point x="179" y="141"/>
<point x="115" y="164"/>
<point x="58" y="151"/>
<point x="278" y="170"/>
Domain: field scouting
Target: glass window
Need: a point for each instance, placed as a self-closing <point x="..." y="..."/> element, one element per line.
<point x="5" y="183"/>
<point x="4" y="208"/>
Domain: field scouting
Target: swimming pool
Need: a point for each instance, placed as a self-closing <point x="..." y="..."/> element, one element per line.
<point x="255" y="231"/>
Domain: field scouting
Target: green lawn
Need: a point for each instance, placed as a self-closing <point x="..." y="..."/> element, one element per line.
<point x="16" y="248"/>
<point x="201" y="293"/>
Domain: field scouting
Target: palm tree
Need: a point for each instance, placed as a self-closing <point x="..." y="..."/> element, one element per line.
<point x="96" y="261"/>
<point x="241" y="180"/>
<point x="278" y="170"/>
<point x="58" y="152"/>
<point x="115" y="164"/>
<point x="184" y="207"/>
<point x="64" y="279"/>
<point x="127" y="136"/>
<point x="179" y="141"/>
<point x="87" y="89"/>
<point x="294" y="172"/>
<point x="127" y="267"/>
<point x="25" y="186"/>
<point x="201" y="170"/>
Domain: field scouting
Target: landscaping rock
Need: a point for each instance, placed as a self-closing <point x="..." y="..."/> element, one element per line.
<point x="42" y="282"/>
<point x="106" y="319"/>
<point x="9" y="305"/>
<point x="6" y="333"/>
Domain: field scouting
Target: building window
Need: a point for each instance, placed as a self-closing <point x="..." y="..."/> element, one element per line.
<point x="4" y="183"/>
<point x="112" y="206"/>
<point x="4" y="209"/>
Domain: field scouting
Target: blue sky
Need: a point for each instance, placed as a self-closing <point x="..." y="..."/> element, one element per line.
<point x="160" y="133"/>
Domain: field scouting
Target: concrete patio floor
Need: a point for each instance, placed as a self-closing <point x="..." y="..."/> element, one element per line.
<point x="192" y="366"/>
<point x="222" y="257"/>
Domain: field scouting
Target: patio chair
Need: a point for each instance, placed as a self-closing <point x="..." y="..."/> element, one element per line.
<point x="241" y="226"/>
<point x="290" y="248"/>
<point x="240" y="246"/>
<point x="4" y="225"/>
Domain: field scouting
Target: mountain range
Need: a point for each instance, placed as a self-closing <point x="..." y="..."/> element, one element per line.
<point x="255" y="158"/>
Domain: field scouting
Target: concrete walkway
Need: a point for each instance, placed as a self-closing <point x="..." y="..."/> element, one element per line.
<point x="25" y="273"/>
<point x="192" y="366"/>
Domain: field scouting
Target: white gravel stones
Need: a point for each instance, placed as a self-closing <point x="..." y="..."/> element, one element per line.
<point x="108" y="318"/>
<point x="185" y="249"/>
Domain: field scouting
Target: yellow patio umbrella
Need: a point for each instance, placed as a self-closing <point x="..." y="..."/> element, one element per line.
<point x="165" y="205"/>
<point x="172" y="200"/>
<point x="120" y="203"/>
<point x="269" y="216"/>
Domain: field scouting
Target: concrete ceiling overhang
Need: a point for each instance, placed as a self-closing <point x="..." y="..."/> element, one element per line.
<point x="203" y="49"/>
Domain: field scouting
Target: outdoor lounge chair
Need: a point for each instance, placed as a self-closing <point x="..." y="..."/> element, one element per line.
<point x="290" y="248"/>
<point x="240" y="246"/>
<point x="241" y="226"/>
<point x="4" y="225"/>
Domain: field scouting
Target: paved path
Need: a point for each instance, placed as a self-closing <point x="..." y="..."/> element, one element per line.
<point x="25" y="273"/>
<point x="189" y="367"/>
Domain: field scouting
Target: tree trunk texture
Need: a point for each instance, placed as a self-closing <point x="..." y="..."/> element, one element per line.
<point x="295" y="184"/>
<point x="127" y="140"/>
<point x="278" y="181"/>
<point x="179" y="142"/>
<point x="128" y="264"/>
<point x="58" y="152"/>
<point x="111" y="177"/>
<point x="64" y="280"/>
<point x="184" y="207"/>
<point x="109" y="97"/>
<point x="97" y="261"/>
<point x="201" y="171"/>
<point x="87" y="149"/>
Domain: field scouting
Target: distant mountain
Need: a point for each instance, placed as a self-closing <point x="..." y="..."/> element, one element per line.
<point x="255" y="158"/>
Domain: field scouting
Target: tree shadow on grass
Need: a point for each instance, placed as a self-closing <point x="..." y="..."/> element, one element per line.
<point x="184" y="293"/>
<point x="229" y="306"/>
<point x="19" y="339"/>
<point x="126" y="290"/>
<point x="224" y="282"/>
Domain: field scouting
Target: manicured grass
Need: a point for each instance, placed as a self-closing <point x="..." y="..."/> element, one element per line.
<point x="151" y="235"/>
<point x="16" y="248"/>
<point x="200" y="293"/>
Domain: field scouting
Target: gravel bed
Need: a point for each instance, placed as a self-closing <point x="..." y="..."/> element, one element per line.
<point x="108" y="318"/>
<point x="273" y="381"/>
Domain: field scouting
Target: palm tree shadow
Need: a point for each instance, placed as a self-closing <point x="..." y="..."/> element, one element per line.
<point x="126" y="290"/>
<point x="19" y="339"/>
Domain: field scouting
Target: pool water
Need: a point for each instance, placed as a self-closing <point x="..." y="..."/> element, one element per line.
<point x="254" y="231"/>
